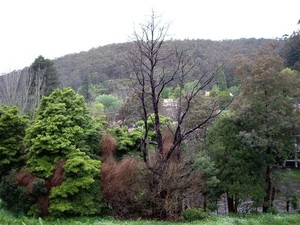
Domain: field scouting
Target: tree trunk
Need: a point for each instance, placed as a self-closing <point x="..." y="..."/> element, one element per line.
<point x="44" y="204"/>
<point x="158" y="132"/>
<point x="157" y="124"/>
<point x="230" y="204"/>
<point x="236" y="205"/>
<point x="158" y="196"/>
<point x="268" y="198"/>
<point x="205" y="203"/>
<point x="273" y="195"/>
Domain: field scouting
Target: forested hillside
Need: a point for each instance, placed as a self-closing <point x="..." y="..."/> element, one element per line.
<point x="111" y="61"/>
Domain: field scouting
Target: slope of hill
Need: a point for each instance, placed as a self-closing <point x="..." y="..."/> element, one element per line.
<point x="111" y="61"/>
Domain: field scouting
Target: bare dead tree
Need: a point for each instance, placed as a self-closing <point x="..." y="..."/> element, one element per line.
<point x="36" y="83"/>
<point x="149" y="64"/>
<point x="155" y="67"/>
<point x="26" y="87"/>
<point x="187" y="100"/>
<point x="42" y="80"/>
<point x="14" y="89"/>
<point x="23" y="88"/>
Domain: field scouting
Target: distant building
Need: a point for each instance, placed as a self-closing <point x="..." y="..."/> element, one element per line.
<point x="206" y="93"/>
<point x="168" y="102"/>
<point x="170" y="108"/>
<point x="294" y="161"/>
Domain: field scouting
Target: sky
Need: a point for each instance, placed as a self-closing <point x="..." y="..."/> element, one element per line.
<point x="54" y="28"/>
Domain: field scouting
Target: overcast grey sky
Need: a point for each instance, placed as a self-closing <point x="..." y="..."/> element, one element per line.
<point x="54" y="28"/>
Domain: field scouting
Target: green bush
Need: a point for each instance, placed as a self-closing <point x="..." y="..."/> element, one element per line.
<point x="295" y="201"/>
<point x="212" y="206"/>
<point x="273" y="210"/>
<point x="192" y="214"/>
<point x="110" y="102"/>
<point x="63" y="131"/>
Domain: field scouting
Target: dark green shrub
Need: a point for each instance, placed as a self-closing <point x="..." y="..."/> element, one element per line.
<point x="192" y="214"/>
<point x="212" y="206"/>
<point x="295" y="201"/>
<point x="20" y="192"/>
<point x="13" y="195"/>
<point x="273" y="210"/>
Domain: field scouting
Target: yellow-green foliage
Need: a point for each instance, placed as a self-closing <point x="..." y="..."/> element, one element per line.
<point x="12" y="131"/>
<point x="63" y="130"/>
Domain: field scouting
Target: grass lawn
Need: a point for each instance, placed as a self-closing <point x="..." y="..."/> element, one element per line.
<point x="295" y="174"/>
<point x="258" y="219"/>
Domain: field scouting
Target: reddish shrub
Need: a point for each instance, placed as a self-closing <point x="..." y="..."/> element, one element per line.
<point x="39" y="187"/>
<point x="56" y="180"/>
<point x="167" y="141"/>
<point x="124" y="184"/>
<point x="159" y="189"/>
<point x="125" y="187"/>
<point x="109" y="145"/>
<point x="25" y="179"/>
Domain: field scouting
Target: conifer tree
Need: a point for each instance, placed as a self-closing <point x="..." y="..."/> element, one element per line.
<point x="62" y="134"/>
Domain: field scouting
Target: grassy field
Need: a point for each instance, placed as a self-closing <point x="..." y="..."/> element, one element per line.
<point x="259" y="219"/>
<point x="295" y="174"/>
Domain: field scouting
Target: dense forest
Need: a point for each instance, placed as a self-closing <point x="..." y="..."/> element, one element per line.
<point x="110" y="62"/>
<point x="153" y="128"/>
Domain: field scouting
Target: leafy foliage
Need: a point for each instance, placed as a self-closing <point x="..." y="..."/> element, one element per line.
<point x="239" y="168"/>
<point x="97" y="110"/>
<point x="192" y="214"/>
<point x="127" y="142"/>
<point x="254" y="140"/>
<point x="206" y="166"/>
<point x="221" y="80"/>
<point x="266" y="107"/>
<point x="12" y="132"/>
<point x="79" y="192"/>
<point x="111" y="103"/>
<point x="165" y="121"/>
<point x="14" y="196"/>
<point x="63" y="129"/>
